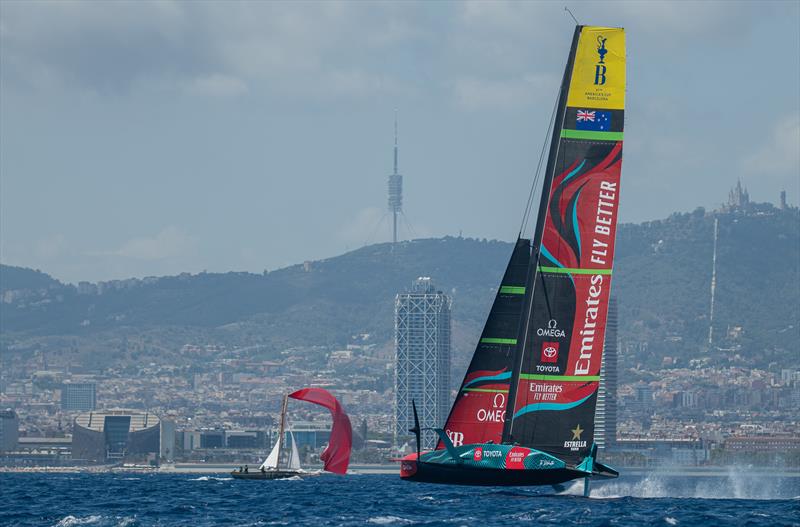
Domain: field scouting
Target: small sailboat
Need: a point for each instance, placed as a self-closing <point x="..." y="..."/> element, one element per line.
<point x="336" y="455"/>
<point x="524" y="414"/>
<point x="273" y="467"/>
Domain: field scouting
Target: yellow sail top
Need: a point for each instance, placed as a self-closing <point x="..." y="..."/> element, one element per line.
<point x="598" y="76"/>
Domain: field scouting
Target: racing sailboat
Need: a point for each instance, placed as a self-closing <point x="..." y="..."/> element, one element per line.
<point x="524" y="414"/>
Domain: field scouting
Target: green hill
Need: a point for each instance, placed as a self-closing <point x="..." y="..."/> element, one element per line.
<point x="662" y="280"/>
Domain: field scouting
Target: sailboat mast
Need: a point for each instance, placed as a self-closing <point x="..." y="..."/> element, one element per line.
<point x="552" y="156"/>
<point x="281" y="428"/>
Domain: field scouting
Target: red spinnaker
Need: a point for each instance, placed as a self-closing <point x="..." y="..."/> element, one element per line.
<point x="337" y="454"/>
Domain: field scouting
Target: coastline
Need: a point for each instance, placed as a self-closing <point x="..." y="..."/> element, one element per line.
<point x="224" y="468"/>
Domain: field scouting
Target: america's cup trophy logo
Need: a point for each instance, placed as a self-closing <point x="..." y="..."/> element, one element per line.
<point x="601" y="48"/>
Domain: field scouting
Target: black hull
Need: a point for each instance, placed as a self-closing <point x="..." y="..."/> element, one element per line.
<point x="461" y="475"/>
<point x="268" y="474"/>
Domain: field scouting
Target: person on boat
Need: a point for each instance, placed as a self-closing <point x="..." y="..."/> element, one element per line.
<point x="263" y="471"/>
<point x="241" y="469"/>
<point x="246" y="469"/>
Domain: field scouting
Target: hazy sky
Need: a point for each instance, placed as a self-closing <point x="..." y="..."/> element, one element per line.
<point x="151" y="138"/>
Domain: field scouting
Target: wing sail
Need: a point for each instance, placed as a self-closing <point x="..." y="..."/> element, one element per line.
<point x="557" y="378"/>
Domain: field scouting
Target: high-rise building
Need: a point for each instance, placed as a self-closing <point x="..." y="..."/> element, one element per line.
<point x="605" y="421"/>
<point x="9" y="430"/>
<point x="422" y="354"/>
<point x="78" y="396"/>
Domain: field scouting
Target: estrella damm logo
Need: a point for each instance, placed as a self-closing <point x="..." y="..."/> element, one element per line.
<point x="598" y="73"/>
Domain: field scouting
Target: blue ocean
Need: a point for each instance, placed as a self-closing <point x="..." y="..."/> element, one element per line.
<point x="181" y="499"/>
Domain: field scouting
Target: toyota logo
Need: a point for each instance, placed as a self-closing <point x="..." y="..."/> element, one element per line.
<point x="550" y="352"/>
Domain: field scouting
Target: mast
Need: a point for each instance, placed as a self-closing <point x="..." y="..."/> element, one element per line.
<point x="281" y="428"/>
<point x="537" y="236"/>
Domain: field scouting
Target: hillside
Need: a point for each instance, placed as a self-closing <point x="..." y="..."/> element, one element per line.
<point x="662" y="279"/>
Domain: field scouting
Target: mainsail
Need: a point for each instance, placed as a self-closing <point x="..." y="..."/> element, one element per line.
<point x="534" y="376"/>
<point x="478" y="414"/>
<point x="271" y="462"/>
<point x="555" y="382"/>
<point x="524" y="414"/>
<point x="337" y="454"/>
<point x="274" y="457"/>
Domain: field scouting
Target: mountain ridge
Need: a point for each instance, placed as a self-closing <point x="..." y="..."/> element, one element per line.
<point x="661" y="278"/>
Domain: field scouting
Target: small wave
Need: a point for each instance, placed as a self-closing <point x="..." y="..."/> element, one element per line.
<point x="670" y="520"/>
<point x="388" y="520"/>
<point x="69" y="521"/>
<point x="126" y="521"/>
<point x="210" y="478"/>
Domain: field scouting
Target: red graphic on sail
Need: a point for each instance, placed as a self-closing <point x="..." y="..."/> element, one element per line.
<point x="480" y="410"/>
<point x="337" y="454"/>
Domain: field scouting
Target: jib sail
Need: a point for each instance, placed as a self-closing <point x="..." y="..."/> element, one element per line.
<point x="479" y="411"/>
<point x="556" y="377"/>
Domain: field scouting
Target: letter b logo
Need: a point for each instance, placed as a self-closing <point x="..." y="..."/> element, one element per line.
<point x="599" y="75"/>
<point x="456" y="437"/>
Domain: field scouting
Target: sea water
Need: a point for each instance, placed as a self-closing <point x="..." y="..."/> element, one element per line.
<point x="179" y="499"/>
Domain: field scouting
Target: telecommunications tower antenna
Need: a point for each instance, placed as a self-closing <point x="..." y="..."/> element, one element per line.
<point x="395" y="188"/>
<point x="713" y="284"/>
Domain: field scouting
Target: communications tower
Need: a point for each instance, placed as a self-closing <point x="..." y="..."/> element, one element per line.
<point x="395" y="188"/>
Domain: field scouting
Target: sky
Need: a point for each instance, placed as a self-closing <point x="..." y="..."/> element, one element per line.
<point x="153" y="138"/>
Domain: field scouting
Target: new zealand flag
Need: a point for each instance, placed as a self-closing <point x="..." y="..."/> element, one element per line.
<point x="594" y="120"/>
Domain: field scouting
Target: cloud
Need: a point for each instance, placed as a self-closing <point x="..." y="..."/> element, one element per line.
<point x="477" y="93"/>
<point x="781" y="152"/>
<point x="203" y="48"/>
<point x="327" y="49"/>
<point x="217" y="85"/>
<point x="171" y="242"/>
